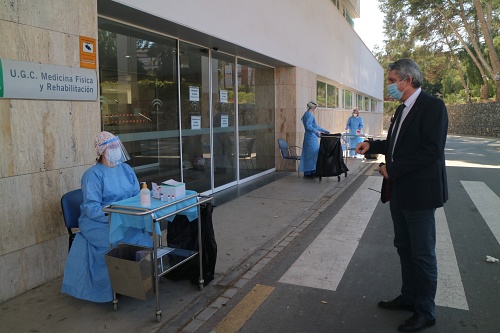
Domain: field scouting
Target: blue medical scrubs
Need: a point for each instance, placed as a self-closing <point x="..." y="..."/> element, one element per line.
<point x="86" y="275"/>
<point x="310" y="147"/>
<point x="354" y="124"/>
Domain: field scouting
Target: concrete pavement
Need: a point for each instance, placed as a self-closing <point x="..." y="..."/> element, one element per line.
<point x="250" y="230"/>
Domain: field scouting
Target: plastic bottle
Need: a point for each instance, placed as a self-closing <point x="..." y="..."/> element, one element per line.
<point x="145" y="196"/>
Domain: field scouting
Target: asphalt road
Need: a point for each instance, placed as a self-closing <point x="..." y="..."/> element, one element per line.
<point x="331" y="277"/>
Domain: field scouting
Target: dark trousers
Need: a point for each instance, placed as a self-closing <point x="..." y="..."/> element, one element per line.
<point x="415" y="240"/>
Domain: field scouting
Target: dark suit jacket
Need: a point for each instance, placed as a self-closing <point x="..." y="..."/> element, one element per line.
<point x="418" y="171"/>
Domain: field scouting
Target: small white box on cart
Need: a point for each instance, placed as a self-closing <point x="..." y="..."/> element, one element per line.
<point x="173" y="189"/>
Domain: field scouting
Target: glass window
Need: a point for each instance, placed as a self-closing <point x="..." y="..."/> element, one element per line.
<point x="138" y="88"/>
<point x="374" y="105"/>
<point x="347" y="99"/>
<point x="332" y="96"/>
<point x="367" y="104"/>
<point x="321" y="94"/>
<point x="359" y="102"/>
<point x="255" y="118"/>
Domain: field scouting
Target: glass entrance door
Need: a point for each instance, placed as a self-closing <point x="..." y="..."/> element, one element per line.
<point x="195" y="116"/>
<point x="224" y="142"/>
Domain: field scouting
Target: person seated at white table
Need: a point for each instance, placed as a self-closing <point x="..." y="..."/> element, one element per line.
<point x="108" y="180"/>
<point x="354" y="128"/>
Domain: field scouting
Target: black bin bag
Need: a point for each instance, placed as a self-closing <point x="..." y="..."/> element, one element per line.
<point x="183" y="234"/>
<point x="330" y="160"/>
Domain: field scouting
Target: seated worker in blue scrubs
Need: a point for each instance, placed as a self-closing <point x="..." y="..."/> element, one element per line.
<point x="108" y="180"/>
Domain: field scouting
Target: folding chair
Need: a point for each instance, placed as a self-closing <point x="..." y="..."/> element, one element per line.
<point x="248" y="155"/>
<point x="70" y="204"/>
<point x="289" y="153"/>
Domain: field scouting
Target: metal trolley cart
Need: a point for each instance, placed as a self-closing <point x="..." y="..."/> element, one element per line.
<point x="345" y="142"/>
<point x="143" y="267"/>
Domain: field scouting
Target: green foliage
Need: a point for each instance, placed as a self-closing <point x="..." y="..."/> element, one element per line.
<point x="422" y="30"/>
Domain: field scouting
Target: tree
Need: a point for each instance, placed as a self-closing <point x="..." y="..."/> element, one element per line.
<point x="451" y="26"/>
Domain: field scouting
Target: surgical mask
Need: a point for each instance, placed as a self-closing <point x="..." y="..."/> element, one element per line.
<point x="354" y="115"/>
<point x="394" y="92"/>
<point x="114" y="155"/>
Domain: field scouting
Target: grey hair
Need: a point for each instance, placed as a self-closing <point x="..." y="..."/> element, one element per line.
<point x="407" y="68"/>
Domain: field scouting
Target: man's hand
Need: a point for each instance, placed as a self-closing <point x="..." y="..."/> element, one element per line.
<point x="362" y="147"/>
<point x="382" y="169"/>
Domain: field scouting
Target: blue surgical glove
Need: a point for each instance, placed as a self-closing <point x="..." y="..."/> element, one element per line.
<point x="326" y="132"/>
<point x="318" y="134"/>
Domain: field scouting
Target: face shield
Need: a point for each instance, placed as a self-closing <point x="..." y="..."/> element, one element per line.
<point x="111" y="148"/>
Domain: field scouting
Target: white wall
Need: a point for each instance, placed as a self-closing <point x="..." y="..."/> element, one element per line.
<point x="309" y="34"/>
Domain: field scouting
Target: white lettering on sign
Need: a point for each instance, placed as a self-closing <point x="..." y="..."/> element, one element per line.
<point x="27" y="80"/>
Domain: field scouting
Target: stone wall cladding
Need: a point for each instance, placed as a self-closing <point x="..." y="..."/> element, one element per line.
<point x="477" y="119"/>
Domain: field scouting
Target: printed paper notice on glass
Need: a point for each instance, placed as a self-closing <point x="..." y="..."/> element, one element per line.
<point x="224" y="120"/>
<point x="194" y="94"/>
<point x="195" y="122"/>
<point x="223" y="96"/>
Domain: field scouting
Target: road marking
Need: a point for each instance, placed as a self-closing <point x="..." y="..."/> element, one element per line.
<point x="235" y="319"/>
<point x="338" y="240"/>
<point x="450" y="290"/>
<point x="487" y="202"/>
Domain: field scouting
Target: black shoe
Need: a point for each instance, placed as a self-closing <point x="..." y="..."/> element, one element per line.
<point x="416" y="323"/>
<point x="396" y="304"/>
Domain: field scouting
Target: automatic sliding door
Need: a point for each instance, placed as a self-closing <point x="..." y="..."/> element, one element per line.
<point x="256" y="120"/>
<point x="195" y="117"/>
<point x="224" y="143"/>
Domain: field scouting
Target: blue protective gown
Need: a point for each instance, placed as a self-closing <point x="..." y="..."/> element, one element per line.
<point x="354" y="124"/>
<point x="86" y="275"/>
<point x="310" y="147"/>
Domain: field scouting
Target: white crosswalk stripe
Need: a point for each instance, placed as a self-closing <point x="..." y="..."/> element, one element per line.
<point x="340" y="239"/>
<point x="450" y="290"/>
<point x="488" y="204"/>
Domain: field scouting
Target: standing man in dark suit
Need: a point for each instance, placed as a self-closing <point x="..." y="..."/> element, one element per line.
<point x="415" y="184"/>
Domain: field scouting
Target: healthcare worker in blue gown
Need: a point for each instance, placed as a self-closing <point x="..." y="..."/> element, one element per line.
<point x="108" y="180"/>
<point x="310" y="147"/>
<point x="354" y="127"/>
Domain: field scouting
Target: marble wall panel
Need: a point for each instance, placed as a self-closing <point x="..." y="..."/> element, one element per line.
<point x="285" y="96"/>
<point x="88" y="123"/>
<point x="27" y="135"/>
<point x="10" y="34"/>
<point x="87" y="18"/>
<point x="305" y="78"/>
<point x="46" y="198"/>
<point x="46" y="259"/>
<point x="48" y="14"/>
<point x="285" y="75"/>
<point x="9" y="11"/>
<point x="286" y="120"/>
<point x="16" y="214"/>
<point x="6" y="147"/>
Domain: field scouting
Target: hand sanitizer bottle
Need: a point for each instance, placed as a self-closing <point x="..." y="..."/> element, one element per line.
<point x="145" y="196"/>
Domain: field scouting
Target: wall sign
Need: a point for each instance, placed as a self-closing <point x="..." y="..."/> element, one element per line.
<point x="87" y="52"/>
<point x="29" y="80"/>
<point x="195" y="122"/>
<point x="194" y="94"/>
